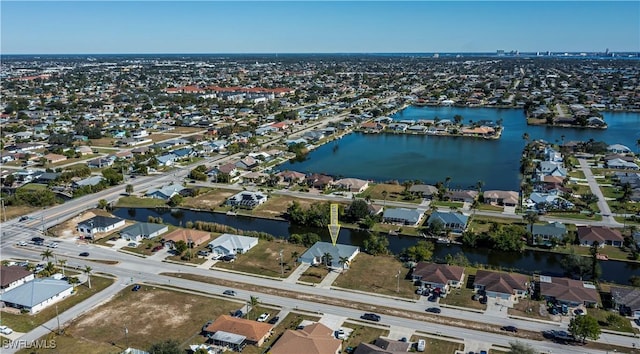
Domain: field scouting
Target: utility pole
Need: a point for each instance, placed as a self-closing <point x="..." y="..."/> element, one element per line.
<point x="126" y="337"/>
<point x="281" y="264"/>
<point x="3" y="210"/>
<point x="398" y="276"/>
<point x="43" y="230"/>
<point x="58" y="317"/>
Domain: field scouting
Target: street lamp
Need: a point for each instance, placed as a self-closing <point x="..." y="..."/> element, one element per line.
<point x="398" y="276"/>
<point x="281" y="264"/>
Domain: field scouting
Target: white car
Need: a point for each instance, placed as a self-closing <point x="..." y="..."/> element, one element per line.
<point x="263" y="317"/>
<point x="22" y="243"/>
<point x="340" y="334"/>
<point x="5" y="330"/>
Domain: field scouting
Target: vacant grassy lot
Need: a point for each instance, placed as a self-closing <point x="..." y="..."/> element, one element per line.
<point x="34" y="187"/>
<point x="394" y="192"/>
<point x="72" y="160"/>
<point x="377" y="274"/>
<point x="439" y="346"/>
<point x="624" y="324"/>
<point x="528" y="308"/>
<point x="463" y="298"/>
<point x="276" y="206"/>
<point x="611" y="252"/>
<point x="148" y="314"/>
<point x="208" y="201"/>
<point x="264" y="259"/>
<point x="457" y="205"/>
<point x="400" y="229"/>
<point x="145" y="247"/>
<point x="363" y="334"/>
<point x="13" y="211"/>
<point x="137" y="202"/>
<point x="65" y="343"/>
<point x="186" y="130"/>
<point x="314" y="274"/>
<point x="160" y="137"/>
<point x="26" y="322"/>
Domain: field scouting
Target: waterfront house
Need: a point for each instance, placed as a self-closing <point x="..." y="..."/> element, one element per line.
<point x="372" y="127"/>
<point x="193" y="238"/>
<point x="341" y="255"/>
<point x="501" y="285"/>
<point x="438" y="276"/>
<point x="568" y="292"/>
<point x="230" y="244"/>
<point x="89" y="181"/>
<point x="497" y="197"/>
<point x="618" y="149"/>
<point x="291" y="176"/>
<point x="98" y="224"/>
<point x="464" y="196"/>
<point x="626" y="300"/>
<point x="312" y="339"/>
<point x="587" y="235"/>
<point x="13" y="276"/>
<point x="166" y="192"/>
<point x="352" y="184"/>
<point x="248" y="163"/>
<point x="247" y="199"/>
<point x="319" y="181"/>
<point x="424" y="190"/>
<point x="544" y="234"/>
<point x="451" y="221"/>
<point x="621" y="164"/>
<point x="36" y="295"/>
<point x="236" y="333"/>
<point x="143" y="230"/>
<point x="403" y="216"/>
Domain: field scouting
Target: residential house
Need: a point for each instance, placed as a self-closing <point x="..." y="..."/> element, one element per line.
<point x="84" y="150"/>
<point x="193" y="238"/>
<point x="230" y="244"/>
<point x="319" y="181"/>
<point x="255" y="177"/>
<point x="36" y="295"/>
<point x="291" y="176"/>
<point x="569" y="292"/>
<point x="48" y="177"/>
<point x="247" y="199"/>
<point x="101" y="162"/>
<point x="424" y="190"/>
<point x="98" y="224"/>
<point x="549" y="168"/>
<point x="451" y="221"/>
<point x="549" y="233"/>
<point x="143" y="230"/>
<point x="383" y="346"/>
<point x="497" y="197"/>
<point x="403" y="216"/>
<point x="340" y="255"/>
<point x="464" y="196"/>
<point x="312" y="339"/>
<point x="236" y="332"/>
<point x="13" y="276"/>
<point x="167" y="159"/>
<point x="627" y="300"/>
<point x="501" y="285"/>
<point x="184" y="153"/>
<point x="618" y="149"/>
<point x="352" y="184"/>
<point x="228" y="169"/>
<point x="438" y="276"/>
<point x="622" y="164"/>
<point x="248" y="163"/>
<point x="166" y="192"/>
<point x="587" y="235"/>
<point x="545" y="200"/>
<point x="54" y="158"/>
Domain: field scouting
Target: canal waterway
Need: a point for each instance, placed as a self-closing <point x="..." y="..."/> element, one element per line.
<point x="528" y="261"/>
<point x="387" y="157"/>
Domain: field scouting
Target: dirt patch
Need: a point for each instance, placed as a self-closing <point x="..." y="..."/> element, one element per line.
<point x="208" y="201"/>
<point x="68" y="229"/>
<point x="276" y="206"/>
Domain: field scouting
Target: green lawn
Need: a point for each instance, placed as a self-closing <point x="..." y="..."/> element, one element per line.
<point x="26" y="322"/>
<point x="314" y="275"/>
<point x="462" y="297"/>
<point x="439" y="346"/>
<point x="34" y="187"/>
<point x="400" y="229"/>
<point x="447" y="204"/>
<point x="612" y="252"/>
<point x="394" y="192"/>
<point x="377" y="274"/>
<point x="264" y="259"/>
<point x="363" y="334"/>
<point x="611" y="192"/>
<point x="601" y="315"/>
<point x="137" y="202"/>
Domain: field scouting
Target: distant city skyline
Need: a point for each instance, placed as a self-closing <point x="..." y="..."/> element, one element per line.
<point x="123" y="27"/>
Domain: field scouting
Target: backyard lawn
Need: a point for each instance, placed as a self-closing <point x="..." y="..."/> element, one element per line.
<point x="26" y="322"/>
<point x="377" y="274"/>
<point x="264" y="259"/>
<point x="439" y="346"/>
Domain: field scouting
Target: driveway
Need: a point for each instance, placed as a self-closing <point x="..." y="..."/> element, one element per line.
<point x="595" y="189"/>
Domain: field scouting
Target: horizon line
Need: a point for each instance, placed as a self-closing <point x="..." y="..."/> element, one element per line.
<point x="510" y="52"/>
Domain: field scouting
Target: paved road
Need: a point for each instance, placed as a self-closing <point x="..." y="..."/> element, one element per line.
<point x="607" y="217"/>
<point x="147" y="270"/>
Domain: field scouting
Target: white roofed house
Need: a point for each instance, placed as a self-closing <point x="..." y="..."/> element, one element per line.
<point x="99" y="224"/>
<point x="622" y="164"/>
<point x="143" y="230"/>
<point x="35" y="295"/>
<point x="165" y="192"/>
<point x="230" y="244"/>
<point x="618" y="149"/>
<point x="340" y="255"/>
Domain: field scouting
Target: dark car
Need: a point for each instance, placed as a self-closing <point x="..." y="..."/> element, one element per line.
<point x="84" y="254"/>
<point x="512" y="329"/>
<point x="579" y="312"/>
<point x="238" y="313"/>
<point x="229" y="258"/>
<point x="229" y="292"/>
<point x="135" y="287"/>
<point x="371" y="317"/>
<point x="434" y="310"/>
<point x="483" y="300"/>
<point x="273" y="320"/>
<point x="23" y="218"/>
<point x="157" y="248"/>
<point x="204" y="327"/>
<point x="637" y="321"/>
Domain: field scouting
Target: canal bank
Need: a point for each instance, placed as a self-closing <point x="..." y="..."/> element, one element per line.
<point x="528" y="261"/>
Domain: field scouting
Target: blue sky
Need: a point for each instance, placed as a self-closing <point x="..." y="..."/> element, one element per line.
<point x="55" y="27"/>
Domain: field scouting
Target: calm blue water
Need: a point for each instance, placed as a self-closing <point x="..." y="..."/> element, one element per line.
<point x="385" y="157"/>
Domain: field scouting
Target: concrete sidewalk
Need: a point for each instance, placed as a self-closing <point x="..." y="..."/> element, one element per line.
<point x="330" y="278"/>
<point x="295" y="275"/>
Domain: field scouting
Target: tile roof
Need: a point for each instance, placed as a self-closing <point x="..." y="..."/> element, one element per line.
<point x="187" y="235"/>
<point x="312" y="339"/>
<point x="599" y="233"/>
<point x="252" y="330"/>
<point x="9" y="274"/>
<point x="501" y="282"/>
<point x="438" y="273"/>
<point x="565" y="289"/>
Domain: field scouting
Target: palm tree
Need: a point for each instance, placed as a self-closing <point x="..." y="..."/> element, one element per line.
<point x="526" y="137"/>
<point x="446" y="182"/>
<point x="46" y="254"/>
<point x="295" y="255"/>
<point x="253" y="302"/>
<point x="129" y="189"/>
<point x="531" y="218"/>
<point x="384" y="195"/>
<point x="479" y="186"/>
<point x="73" y="281"/>
<point x="87" y="271"/>
<point x="62" y="262"/>
<point x="328" y="258"/>
<point x="102" y="204"/>
<point x="343" y="261"/>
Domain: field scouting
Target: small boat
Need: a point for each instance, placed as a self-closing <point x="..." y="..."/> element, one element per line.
<point x="443" y="240"/>
<point x="602" y="257"/>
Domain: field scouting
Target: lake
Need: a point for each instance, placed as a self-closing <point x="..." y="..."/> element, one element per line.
<point x="388" y="157"/>
<point x="527" y="262"/>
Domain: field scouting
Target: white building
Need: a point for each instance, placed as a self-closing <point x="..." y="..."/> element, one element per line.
<point x="37" y="294"/>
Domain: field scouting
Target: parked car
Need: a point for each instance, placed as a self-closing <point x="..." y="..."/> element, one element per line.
<point x="204" y="327"/>
<point x="23" y="218"/>
<point x="403" y="339"/>
<point x="229" y="258"/>
<point x="157" y="248"/>
<point x="84" y="254"/>
<point x="238" y="313"/>
<point x="483" y="300"/>
<point x="229" y="292"/>
<point x="5" y="330"/>
<point x="274" y="320"/>
<point x="422" y="345"/>
<point x="22" y="243"/>
<point x="434" y="310"/>
<point x="135" y="287"/>
<point x="512" y="329"/>
<point x="579" y="312"/>
<point x="203" y="253"/>
<point x="263" y="317"/>
<point x="132" y="244"/>
<point x="52" y="245"/>
<point x="341" y="334"/>
<point x="371" y="317"/>
<point x="637" y="321"/>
